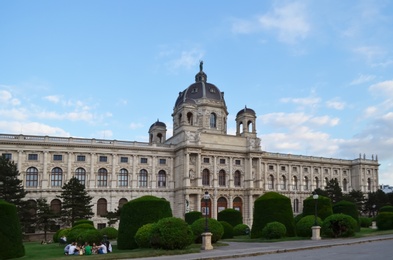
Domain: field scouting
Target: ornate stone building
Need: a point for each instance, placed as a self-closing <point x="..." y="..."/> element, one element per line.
<point x="200" y="156"/>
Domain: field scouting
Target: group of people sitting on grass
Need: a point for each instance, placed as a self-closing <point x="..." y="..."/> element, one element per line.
<point x="87" y="249"/>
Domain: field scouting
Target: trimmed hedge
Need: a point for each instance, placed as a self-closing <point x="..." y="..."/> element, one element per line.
<point x="11" y="245"/>
<point x="303" y="226"/>
<point x="272" y="207"/>
<point x="339" y="225"/>
<point x="83" y="221"/>
<point x="198" y="227"/>
<point x="228" y="229"/>
<point x="274" y="230"/>
<point x="385" y="220"/>
<point x="324" y="207"/>
<point x="84" y="233"/>
<point x="191" y="217"/>
<point x="347" y="208"/>
<point x="241" y="230"/>
<point x="138" y="212"/>
<point x="365" y="222"/>
<point x="109" y="232"/>
<point x="143" y="235"/>
<point x="231" y="216"/>
<point x="298" y="217"/>
<point x="171" y="233"/>
<point x="386" y="209"/>
<point x="59" y="233"/>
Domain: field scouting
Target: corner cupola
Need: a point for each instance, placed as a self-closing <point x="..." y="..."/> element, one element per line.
<point x="157" y="132"/>
<point x="245" y="122"/>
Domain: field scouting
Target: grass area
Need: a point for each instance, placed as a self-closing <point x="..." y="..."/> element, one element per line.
<point x="36" y="251"/>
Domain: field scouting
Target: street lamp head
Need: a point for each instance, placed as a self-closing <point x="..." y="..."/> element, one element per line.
<point x="206" y="196"/>
<point x="315" y="195"/>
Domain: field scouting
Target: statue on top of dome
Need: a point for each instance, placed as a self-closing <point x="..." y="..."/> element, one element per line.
<point x="201" y="65"/>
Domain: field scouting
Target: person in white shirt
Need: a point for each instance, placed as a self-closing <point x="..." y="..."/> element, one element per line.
<point x="102" y="249"/>
<point x="73" y="250"/>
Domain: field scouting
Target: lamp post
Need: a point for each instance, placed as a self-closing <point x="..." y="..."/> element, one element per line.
<point x="374" y="206"/>
<point x="316" y="230"/>
<point x="315" y="197"/>
<point x="206" y="197"/>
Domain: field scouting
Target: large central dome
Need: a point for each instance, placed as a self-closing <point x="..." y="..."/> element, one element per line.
<point x="199" y="90"/>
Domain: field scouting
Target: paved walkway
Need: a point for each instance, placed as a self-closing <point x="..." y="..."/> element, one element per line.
<point x="240" y="249"/>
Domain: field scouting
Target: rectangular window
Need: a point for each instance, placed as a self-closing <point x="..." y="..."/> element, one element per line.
<point x="103" y="158"/>
<point x="283" y="168"/>
<point x="305" y="169"/>
<point x="143" y="160"/>
<point x="222" y="161"/>
<point x="80" y="158"/>
<point x="237" y="162"/>
<point x="162" y="161"/>
<point x="294" y="169"/>
<point x="206" y="160"/>
<point x="7" y="156"/>
<point x="124" y="159"/>
<point x="32" y="157"/>
<point x="57" y="157"/>
<point x="271" y="167"/>
<point x="101" y="226"/>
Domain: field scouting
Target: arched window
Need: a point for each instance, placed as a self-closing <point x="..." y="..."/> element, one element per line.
<point x="161" y="178"/>
<point x="221" y="204"/>
<point x="296" y="205"/>
<point x="206" y="177"/>
<point x="237" y="179"/>
<point x="122" y="202"/>
<point x="345" y="185"/>
<point x="180" y="116"/>
<point x="56" y="177"/>
<point x="80" y="174"/>
<point x="32" y="208"/>
<point x="270" y="182"/>
<point x="249" y="126"/>
<point x="32" y="177"/>
<point x="316" y="182"/>
<point x="326" y="181"/>
<point x="190" y="118"/>
<point x="122" y="178"/>
<point x="102" y="177"/>
<point x="221" y="178"/>
<point x="295" y="183"/>
<point x="283" y="182"/>
<point x="306" y="183"/>
<point x="213" y="120"/>
<point x="143" y="178"/>
<point x="102" y="207"/>
<point x="55" y="206"/>
<point x="237" y="204"/>
<point x="369" y="184"/>
<point x="159" y="137"/>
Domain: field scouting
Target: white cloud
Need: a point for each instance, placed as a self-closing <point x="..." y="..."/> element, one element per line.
<point x="289" y="20"/>
<point x="384" y="88"/>
<point x="31" y="128"/>
<point x="294" y="120"/>
<point x="369" y="52"/>
<point x="324" y="120"/>
<point x="309" y="101"/>
<point x="186" y="59"/>
<point x="335" y="104"/>
<point x="6" y="98"/>
<point x="53" y="99"/>
<point x="362" y="79"/>
<point x="15" y="114"/>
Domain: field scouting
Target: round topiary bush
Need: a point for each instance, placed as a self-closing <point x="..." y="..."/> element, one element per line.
<point x="386" y="209"/>
<point x="143" y="235"/>
<point x="339" y="225"/>
<point x="171" y="233"/>
<point x="10" y="232"/>
<point x="241" y="230"/>
<point x="59" y="233"/>
<point x="303" y="226"/>
<point x="231" y="216"/>
<point x="190" y="217"/>
<point x="83" y="221"/>
<point x="298" y="217"/>
<point x="109" y="232"/>
<point x="272" y="207"/>
<point x="324" y="207"/>
<point x="90" y="236"/>
<point x="384" y="220"/>
<point x="347" y="208"/>
<point x="138" y="212"/>
<point x="228" y="229"/>
<point x="75" y="234"/>
<point x="274" y="230"/>
<point x="198" y="227"/>
<point x="365" y="222"/>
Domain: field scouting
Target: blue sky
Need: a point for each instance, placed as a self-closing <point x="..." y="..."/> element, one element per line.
<point x="319" y="74"/>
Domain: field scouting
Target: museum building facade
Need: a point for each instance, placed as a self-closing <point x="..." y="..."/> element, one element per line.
<point x="200" y="156"/>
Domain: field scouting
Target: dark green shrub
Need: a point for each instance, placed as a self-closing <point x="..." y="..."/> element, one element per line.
<point x="59" y="233"/>
<point x="89" y="235"/>
<point x="198" y="227"/>
<point x="109" y="232"/>
<point x="190" y="217"/>
<point x="272" y="207"/>
<point x="83" y="221"/>
<point x="10" y="232"/>
<point x="171" y="233"/>
<point x="303" y="226"/>
<point x="298" y="217"/>
<point x="347" y="208"/>
<point x="324" y="207"/>
<point x="143" y="235"/>
<point x="385" y="220"/>
<point x="228" y="230"/>
<point x="75" y="233"/>
<point x="138" y="212"/>
<point x="231" y="216"/>
<point x="386" y="209"/>
<point x="274" y="230"/>
<point x="241" y="230"/>
<point x="365" y="222"/>
<point x="339" y="225"/>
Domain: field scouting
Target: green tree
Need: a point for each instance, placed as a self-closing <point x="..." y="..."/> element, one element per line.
<point x="11" y="188"/>
<point x="113" y="217"/>
<point x="357" y="197"/>
<point x="45" y="217"/>
<point x="375" y="200"/>
<point x="76" y="202"/>
<point x="334" y="191"/>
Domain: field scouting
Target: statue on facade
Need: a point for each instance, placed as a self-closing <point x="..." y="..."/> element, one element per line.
<point x="201" y="65"/>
